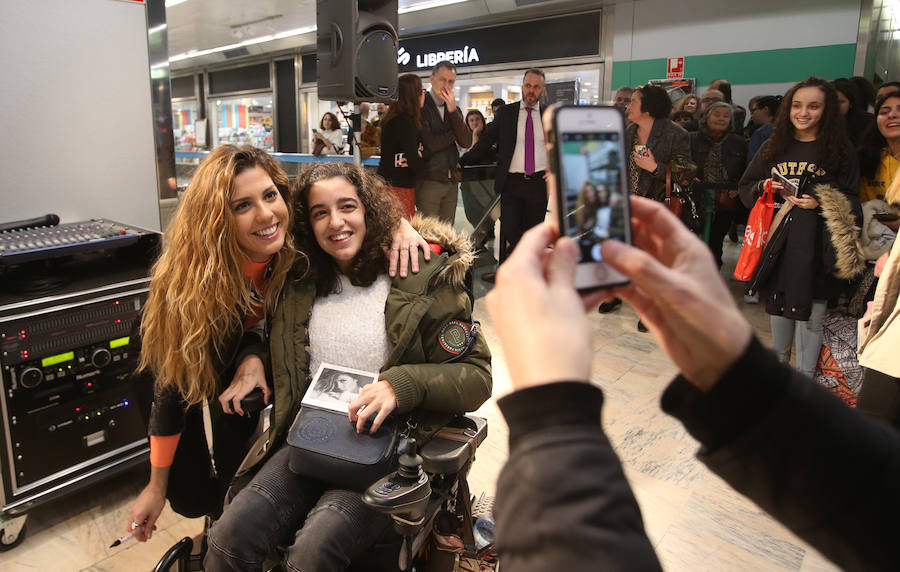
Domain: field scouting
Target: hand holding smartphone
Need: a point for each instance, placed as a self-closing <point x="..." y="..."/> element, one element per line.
<point x="587" y="155"/>
<point x="790" y="188"/>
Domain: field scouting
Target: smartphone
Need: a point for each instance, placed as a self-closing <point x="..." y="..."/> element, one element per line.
<point x="587" y="155"/>
<point x="788" y="184"/>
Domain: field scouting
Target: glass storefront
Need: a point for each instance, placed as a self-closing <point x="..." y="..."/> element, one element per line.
<point x="477" y="90"/>
<point x="185" y="113"/>
<point x="243" y="120"/>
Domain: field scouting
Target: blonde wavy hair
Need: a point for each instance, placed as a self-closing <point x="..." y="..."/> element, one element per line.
<point x="198" y="292"/>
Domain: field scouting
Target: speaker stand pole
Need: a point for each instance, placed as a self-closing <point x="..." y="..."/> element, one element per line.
<point x="357" y="157"/>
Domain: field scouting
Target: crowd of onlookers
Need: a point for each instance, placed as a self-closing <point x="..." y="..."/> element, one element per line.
<point x="836" y="146"/>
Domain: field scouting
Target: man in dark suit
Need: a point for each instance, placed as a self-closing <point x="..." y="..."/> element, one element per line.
<point x="521" y="162"/>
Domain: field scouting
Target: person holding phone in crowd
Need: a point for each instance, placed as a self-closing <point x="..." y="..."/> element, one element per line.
<point x="330" y="139"/>
<point x="767" y="430"/>
<point x="813" y="247"/>
<point x="651" y="141"/>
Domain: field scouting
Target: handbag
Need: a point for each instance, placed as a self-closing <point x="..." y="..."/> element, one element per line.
<point x="756" y="233"/>
<point x="318" y="148"/>
<point x="325" y="446"/>
<point x="680" y="175"/>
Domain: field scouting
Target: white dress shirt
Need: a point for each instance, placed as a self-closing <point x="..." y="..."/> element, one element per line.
<point x="540" y="153"/>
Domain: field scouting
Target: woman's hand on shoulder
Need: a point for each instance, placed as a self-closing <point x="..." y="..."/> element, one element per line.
<point x="376" y="399"/>
<point x="404" y="243"/>
<point x="250" y="374"/>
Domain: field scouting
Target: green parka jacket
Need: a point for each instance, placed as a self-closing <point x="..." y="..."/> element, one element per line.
<point x="427" y="316"/>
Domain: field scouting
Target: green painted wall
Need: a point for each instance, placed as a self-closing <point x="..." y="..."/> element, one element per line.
<point x="768" y="66"/>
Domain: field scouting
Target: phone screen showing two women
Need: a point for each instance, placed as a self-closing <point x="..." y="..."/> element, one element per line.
<point x="593" y="192"/>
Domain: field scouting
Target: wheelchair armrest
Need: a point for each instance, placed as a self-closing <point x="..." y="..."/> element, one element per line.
<point x="253" y="402"/>
<point x="446" y="455"/>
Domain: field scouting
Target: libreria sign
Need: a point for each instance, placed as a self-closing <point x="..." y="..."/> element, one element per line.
<point x="466" y="55"/>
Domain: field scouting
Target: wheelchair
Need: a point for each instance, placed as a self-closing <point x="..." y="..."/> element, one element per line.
<point x="428" y="499"/>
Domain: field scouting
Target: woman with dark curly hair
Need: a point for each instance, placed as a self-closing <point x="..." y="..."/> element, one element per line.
<point x="813" y="248"/>
<point x="330" y="140"/>
<point x="342" y="308"/>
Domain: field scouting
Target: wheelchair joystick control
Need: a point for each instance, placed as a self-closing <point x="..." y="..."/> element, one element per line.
<point x="404" y="493"/>
<point x="410" y="462"/>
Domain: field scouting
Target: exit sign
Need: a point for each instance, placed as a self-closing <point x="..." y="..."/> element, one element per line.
<point x="676" y="68"/>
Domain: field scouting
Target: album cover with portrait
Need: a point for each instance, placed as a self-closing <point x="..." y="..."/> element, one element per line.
<point x="334" y="387"/>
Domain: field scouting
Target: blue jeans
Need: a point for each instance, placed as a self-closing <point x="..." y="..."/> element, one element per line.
<point x="324" y="529"/>
<point x="807" y="334"/>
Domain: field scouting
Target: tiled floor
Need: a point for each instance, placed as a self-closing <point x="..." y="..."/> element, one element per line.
<point x="695" y="521"/>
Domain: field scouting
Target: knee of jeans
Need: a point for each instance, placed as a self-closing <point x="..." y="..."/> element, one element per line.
<point x="246" y="529"/>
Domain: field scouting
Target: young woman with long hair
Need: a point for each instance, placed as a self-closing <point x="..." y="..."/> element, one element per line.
<point x="856" y="119"/>
<point x="342" y="308"/>
<point x="227" y="254"/>
<point x="879" y="154"/>
<point x="813" y="249"/>
<point x="402" y="163"/>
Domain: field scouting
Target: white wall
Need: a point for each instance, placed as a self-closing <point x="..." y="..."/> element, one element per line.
<point x="76" y="112"/>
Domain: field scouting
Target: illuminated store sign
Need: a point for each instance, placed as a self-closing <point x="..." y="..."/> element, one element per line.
<point x="554" y="38"/>
<point x="466" y="55"/>
<point x="562" y="37"/>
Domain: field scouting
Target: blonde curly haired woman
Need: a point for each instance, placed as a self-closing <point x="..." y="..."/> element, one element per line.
<point x="228" y="251"/>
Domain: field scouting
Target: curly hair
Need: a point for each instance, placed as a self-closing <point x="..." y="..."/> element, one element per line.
<point x="335" y="123"/>
<point x="198" y="292"/>
<point x="873" y="141"/>
<point x="382" y="214"/>
<point x="682" y="103"/>
<point x="832" y="135"/>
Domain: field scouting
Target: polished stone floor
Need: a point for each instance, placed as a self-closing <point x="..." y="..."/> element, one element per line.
<point x="693" y="519"/>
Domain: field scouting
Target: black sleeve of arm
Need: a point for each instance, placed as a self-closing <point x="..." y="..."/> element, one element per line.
<point x="750" y="185"/>
<point x="790" y="446"/>
<point x="166" y="413"/>
<point x="482" y="152"/>
<point x="410" y="139"/>
<point x="563" y="502"/>
<point x="461" y="131"/>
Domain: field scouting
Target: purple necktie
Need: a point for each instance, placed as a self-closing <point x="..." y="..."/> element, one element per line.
<point x="529" y="143"/>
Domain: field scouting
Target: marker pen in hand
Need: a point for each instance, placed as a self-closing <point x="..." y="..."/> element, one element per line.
<point x="128" y="536"/>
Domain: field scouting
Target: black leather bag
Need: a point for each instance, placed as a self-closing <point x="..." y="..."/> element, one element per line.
<point x="325" y="446"/>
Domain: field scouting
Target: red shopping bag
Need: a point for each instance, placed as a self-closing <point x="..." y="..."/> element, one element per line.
<point x="755" y="234"/>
